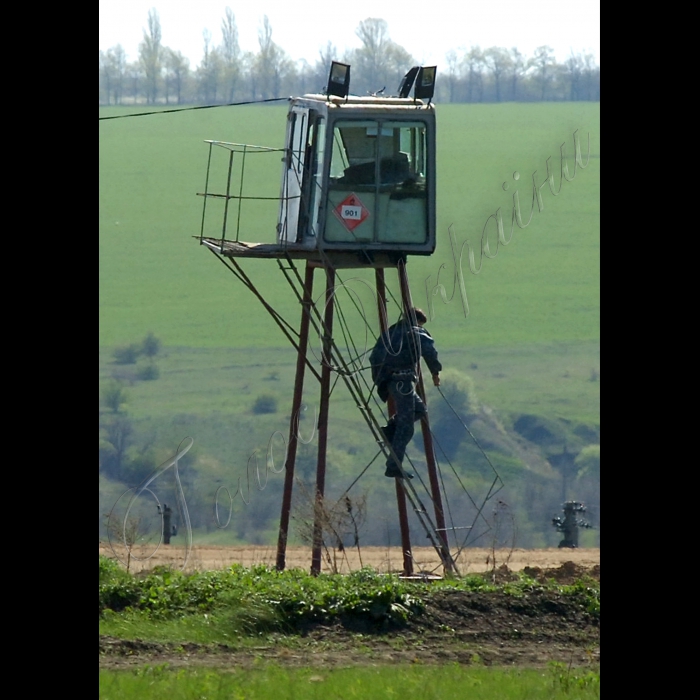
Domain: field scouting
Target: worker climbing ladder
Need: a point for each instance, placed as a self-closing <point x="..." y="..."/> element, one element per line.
<point x="358" y="192"/>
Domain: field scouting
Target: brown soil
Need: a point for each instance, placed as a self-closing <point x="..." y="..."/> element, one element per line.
<point x="461" y="627"/>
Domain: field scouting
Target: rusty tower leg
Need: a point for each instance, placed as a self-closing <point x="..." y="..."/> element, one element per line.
<point x="400" y="495"/>
<point x="427" y="437"/>
<point x="294" y="421"/>
<point x="323" y="422"/>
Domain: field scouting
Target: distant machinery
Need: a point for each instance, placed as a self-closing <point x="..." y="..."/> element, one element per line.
<point x="570" y="523"/>
<point x="169" y="530"/>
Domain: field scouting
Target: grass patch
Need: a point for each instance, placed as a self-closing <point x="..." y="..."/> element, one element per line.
<point x="452" y="682"/>
<point x="236" y="627"/>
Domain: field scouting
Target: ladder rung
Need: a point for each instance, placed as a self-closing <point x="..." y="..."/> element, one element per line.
<point x="465" y="527"/>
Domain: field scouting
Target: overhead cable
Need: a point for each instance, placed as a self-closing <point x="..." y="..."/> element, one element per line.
<point x="187" y="109"/>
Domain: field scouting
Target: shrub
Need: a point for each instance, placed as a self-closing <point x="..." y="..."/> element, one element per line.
<point x="138" y="469"/>
<point x="587" y="462"/>
<point x="118" y="589"/>
<point x="148" y="372"/>
<point x="114" y="396"/>
<point x="109" y="570"/>
<point x="265" y="403"/>
<point x="458" y="390"/>
<point x="150" y="345"/>
<point x="126" y="354"/>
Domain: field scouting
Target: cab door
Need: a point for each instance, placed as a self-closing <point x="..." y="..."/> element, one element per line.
<point x="293" y="175"/>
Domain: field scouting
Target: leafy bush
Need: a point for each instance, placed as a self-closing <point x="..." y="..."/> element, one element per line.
<point x="587" y="462"/>
<point x="118" y="589"/>
<point x="126" y="355"/>
<point x="150" y="345"/>
<point x="109" y="570"/>
<point x="458" y="390"/>
<point x="114" y="396"/>
<point x="265" y="403"/>
<point x="148" y="372"/>
<point x="587" y="594"/>
<point x="138" y="468"/>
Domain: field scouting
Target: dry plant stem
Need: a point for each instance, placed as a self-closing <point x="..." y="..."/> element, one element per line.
<point x="126" y="533"/>
<point x="333" y="521"/>
<point x="502" y="511"/>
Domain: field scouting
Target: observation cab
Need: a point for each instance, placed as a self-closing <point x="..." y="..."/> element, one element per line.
<point x="358" y="177"/>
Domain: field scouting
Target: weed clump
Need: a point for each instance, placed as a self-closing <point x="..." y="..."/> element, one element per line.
<point x="265" y="403"/>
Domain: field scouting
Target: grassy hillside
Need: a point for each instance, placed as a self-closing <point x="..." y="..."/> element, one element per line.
<point x="530" y="339"/>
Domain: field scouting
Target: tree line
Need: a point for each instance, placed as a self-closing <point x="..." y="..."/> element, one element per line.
<point x="162" y="75"/>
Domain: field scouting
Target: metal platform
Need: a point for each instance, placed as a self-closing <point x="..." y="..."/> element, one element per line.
<point x="316" y="257"/>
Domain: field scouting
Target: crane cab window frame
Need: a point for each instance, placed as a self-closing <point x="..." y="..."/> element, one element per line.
<point x="382" y="166"/>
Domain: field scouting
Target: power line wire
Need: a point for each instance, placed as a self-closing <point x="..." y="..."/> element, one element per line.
<point x="187" y="109"/>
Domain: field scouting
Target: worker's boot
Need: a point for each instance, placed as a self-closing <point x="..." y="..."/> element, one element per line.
<point x="395" y="472"/>
<point x="389" y="431"/>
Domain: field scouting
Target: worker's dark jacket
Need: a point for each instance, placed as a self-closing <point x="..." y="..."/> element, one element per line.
<point x="400" y="349"/>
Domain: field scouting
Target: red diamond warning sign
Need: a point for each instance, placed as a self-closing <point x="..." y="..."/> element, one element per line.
<point x="351" y="212"/>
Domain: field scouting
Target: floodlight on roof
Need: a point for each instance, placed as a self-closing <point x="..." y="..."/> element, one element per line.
<point x="407" y="82"/>
<point x="425" y="83"/>
<point x="339" y="79"/>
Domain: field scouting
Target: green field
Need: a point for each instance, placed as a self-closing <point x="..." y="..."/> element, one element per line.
<point x="530" y="340"/>
<point x="542" y="288"/>
<point x="430" y="683"/>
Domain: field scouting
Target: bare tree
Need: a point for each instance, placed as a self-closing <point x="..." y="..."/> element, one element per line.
<point x="248" y="80"/>
<point x="134" y="75"/>
<point x="453" y="73"/>
<point x="497" y="61"/>
<point x="398" y="63"/>
<point x="151" y="55"/>
<point x="301" y="79"/>
<point x="543" y="63"/>
<point x="518" y="67"/>
<point x="326" y="56"/>
<point x="371" y="58"/>
<point x="265" y="58"/>
<point x="177" y="70"/>
<point x="590" y="77"/>
<point x="112" y="73"/>
<point x="230" y="54"/>
<point x="209" y="71"/>
<point x="474" y="62"/>
<point x="333" y="525"/>
<point x="272" y="65"/>
<point x="125" y="533"/>
<point x="504" y="535"/>
<point x="380" y="63"/>
<point x="574" y="66"/>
